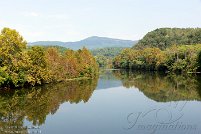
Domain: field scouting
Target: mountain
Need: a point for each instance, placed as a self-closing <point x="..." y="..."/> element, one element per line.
<point x="90" y="43"/>
<point x="165" y="37"/>
<point x="47" y="43"/>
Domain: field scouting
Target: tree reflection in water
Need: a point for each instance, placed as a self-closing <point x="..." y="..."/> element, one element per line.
<point x="36" y="103"/>
<point x="162" y="87"/>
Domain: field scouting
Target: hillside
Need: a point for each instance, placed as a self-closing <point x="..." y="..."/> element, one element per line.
<point x="165" y="37"/>
<point x="105" y="55"/>
<point x="90" y="43"/>
<point x="108" y="51"/>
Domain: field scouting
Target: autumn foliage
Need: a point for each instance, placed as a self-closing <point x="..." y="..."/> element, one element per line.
<point x="20" y="66"/>
<point x="183" y="58"/>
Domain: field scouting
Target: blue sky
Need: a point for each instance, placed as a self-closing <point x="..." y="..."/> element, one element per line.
<point x="72" y="20"/>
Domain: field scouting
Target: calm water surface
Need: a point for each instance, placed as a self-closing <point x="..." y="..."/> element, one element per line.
<point x="119" y="102"/>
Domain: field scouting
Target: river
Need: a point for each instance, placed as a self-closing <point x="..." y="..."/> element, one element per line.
<point x="118" y="102"/>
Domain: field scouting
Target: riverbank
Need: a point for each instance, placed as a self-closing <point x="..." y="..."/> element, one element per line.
<point x="21" y="66"/>
<point x="183" y="58"/>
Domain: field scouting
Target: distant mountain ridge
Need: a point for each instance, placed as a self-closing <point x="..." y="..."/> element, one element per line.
<point x="93" y="42"/>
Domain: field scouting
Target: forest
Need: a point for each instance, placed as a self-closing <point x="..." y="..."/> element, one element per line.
<point x="21" y="66"/>
<point x="104" y="56"/>
<point x="159" y="51"/>
<point x="166" y="37"/>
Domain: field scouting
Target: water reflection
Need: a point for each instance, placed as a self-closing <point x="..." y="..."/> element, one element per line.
<point x="161" y="87"/>
<point x="107" y="80"/>
<point x="36" y="103"/>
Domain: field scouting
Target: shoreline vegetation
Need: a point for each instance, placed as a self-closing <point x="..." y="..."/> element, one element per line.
<point x="168" y="50"/>
<point x="21" y="66"/>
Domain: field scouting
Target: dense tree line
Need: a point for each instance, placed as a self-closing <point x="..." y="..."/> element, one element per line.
<point x="104" y="56"/>
<point x="108" y="51"/>
<point x="165" y="49"/>
<point x="61" y="49"/>
<point x="165" y="37"/>
<point x="20" y="66"/>
<point x="103" y="61"/>
<point x="185" y="58"/>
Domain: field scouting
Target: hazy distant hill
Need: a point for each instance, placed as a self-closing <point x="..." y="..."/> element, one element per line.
<point x="91" y="43"/>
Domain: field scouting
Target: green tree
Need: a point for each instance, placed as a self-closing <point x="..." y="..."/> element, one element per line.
<point x="11" y="46"/>
<point x="11" y="43"/>
<point x="38" y="65"/>
<point x="165" y="37"/>
<point x="175" y="59"/>
<point x="199" y="61"/>
<point x="38" y="72"/>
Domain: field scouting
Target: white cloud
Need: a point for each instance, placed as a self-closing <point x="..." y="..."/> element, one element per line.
<point x="57" y="16"/>
<point x="31" y="14"/>
<point x="34" y="14"/>
<point x="47" y="16"/>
